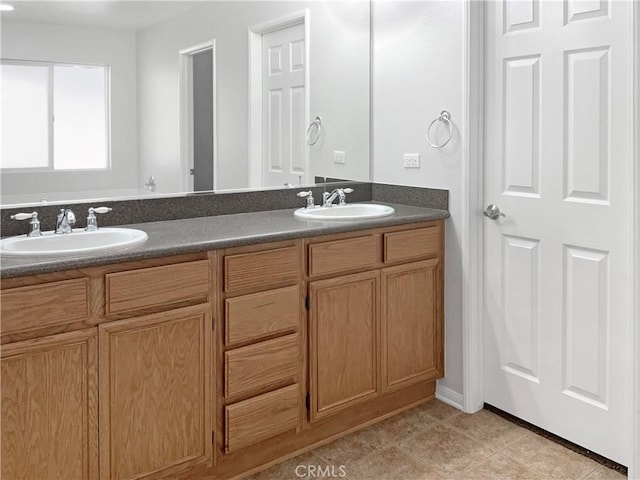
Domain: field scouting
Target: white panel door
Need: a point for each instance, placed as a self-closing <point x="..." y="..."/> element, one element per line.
<point x="558" y="164"/>
<point x="283" y="98"/>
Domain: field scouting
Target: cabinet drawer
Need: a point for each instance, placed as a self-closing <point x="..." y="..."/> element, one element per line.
<point x="261" y="269"/>
<point x="260" y="418"/>
<point x="157" y="287"/>
<point x="408" y="244"/>
<point x="253" y="316"/>
<point x="344" y="255"/>
<point x="45" y="305"/>
<point x="260" y="365"/>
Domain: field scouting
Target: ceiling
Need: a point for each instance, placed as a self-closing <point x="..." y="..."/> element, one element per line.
<point x="119" y="15"/>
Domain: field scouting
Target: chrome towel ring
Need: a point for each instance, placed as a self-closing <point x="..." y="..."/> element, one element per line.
<point x="317" y="122"/>
<point x="445" y="117"/>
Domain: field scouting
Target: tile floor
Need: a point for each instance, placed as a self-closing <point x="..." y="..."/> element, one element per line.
<point x="435" y="441"/>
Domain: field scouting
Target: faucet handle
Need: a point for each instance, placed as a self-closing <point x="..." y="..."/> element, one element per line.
<point x="34" y="224"/>
<point x="100" y="210"/>
<point x="342" y="194"/>
<point x="24" y="216"/>
<point x="309" y="196"/>
<point x="92" y="221"/>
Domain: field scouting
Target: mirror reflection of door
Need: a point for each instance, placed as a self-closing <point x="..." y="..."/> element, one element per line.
<point x="283" y="106"/>
<point x="203" y="121"/>
<point x="198" y="139"/>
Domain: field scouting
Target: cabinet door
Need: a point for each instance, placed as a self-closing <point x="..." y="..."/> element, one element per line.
<point x="49" y="407"/>
<point x="155" y="393"/>
<point x="344" y="342"/>
<point x="411" y="324"/>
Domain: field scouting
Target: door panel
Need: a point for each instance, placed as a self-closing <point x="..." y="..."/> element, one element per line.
<point x="586" y="167"/>
<point x="411" y="324"/>
<point x="521" y="301"/>
<point x="557" y="269"/>
<point x="155" y="393"/>
<point x="343" y="342"/>
<point x="585" y="360"/>
<point x="49" y="407"/>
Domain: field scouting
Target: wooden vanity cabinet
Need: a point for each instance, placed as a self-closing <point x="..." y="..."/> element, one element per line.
<point x="262" y="343"/>
<point x="155" y="370"/>
<point x="218" y="363"/>
<point x="412" y="307"/>
<point x="126" y="392"/>
<point x="380" y="330"/>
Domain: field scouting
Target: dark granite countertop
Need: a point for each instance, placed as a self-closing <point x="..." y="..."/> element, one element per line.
<point x="209" y="233"/>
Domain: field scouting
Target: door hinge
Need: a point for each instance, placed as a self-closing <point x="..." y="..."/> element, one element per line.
<point x="307" y="401"/>
<point x="307" y="303"/>
<point x="213" y="438"/>
<point x="213" y="324"/>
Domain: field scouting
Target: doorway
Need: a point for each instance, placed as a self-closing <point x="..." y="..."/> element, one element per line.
<point x="198" y="139"/>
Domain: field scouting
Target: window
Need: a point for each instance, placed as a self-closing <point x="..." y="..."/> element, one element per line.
<point x="54" y="116"/>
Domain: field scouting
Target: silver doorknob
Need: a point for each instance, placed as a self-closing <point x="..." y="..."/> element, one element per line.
<point x="493" y="212"/>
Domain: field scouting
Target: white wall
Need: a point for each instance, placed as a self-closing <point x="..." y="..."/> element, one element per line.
<point x="339" y="83"/>
<point x="65" y="44"/>
<point x="418" y="71"/>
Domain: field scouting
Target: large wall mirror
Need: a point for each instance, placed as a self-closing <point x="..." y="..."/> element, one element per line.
<point x="119" y="99"/>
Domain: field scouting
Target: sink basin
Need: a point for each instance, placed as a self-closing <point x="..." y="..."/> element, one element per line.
<point x="350" y="212"/>
<point x="78" y="242"/>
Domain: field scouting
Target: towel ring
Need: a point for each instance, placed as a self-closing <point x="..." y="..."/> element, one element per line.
<point x="445" y="117"/>
<point x="317" y="122"/>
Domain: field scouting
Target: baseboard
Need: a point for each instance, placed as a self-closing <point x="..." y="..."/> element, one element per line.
<point x="450" y="397"/>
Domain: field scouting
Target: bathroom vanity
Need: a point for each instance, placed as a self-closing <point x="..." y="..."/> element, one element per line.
<point x="218" y="357"/>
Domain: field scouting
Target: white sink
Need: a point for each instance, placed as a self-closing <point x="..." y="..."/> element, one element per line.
<point x="77" y="242"/>
<point x="349" y="212"/>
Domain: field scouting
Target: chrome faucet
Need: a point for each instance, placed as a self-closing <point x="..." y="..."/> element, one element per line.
<point x="92" y="221"/>
<point x="34" y="224"/>
<point x="66" y="220"/>
<point x="340" y="193"/>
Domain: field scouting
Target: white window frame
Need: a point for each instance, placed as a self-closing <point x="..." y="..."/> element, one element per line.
<point x="50" y="113"/>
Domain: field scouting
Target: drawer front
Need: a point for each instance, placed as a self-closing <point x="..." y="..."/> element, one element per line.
<point x="260" y="365"/>
<point x="344" y="255"/>
<point x="422" y="242"/>
<point x="158" y="287"/>
<point x="261" y="269"/>
<point x="260" y="418"/>
<point x="45" y="305"/>
<point x="251" y="317"/>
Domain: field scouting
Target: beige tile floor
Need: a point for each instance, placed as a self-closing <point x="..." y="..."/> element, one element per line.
<point x="435" y="441"/>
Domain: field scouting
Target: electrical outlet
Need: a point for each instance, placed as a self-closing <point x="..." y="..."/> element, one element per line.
<point x="411" y="160"/>
<point x="339" y="157"/>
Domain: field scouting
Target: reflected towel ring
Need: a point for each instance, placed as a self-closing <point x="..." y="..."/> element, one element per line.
<point x="317" y="122"/>
<point x="444" y="117"/>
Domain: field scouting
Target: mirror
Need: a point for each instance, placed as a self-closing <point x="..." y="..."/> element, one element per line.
<point x="125" y="99"/>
